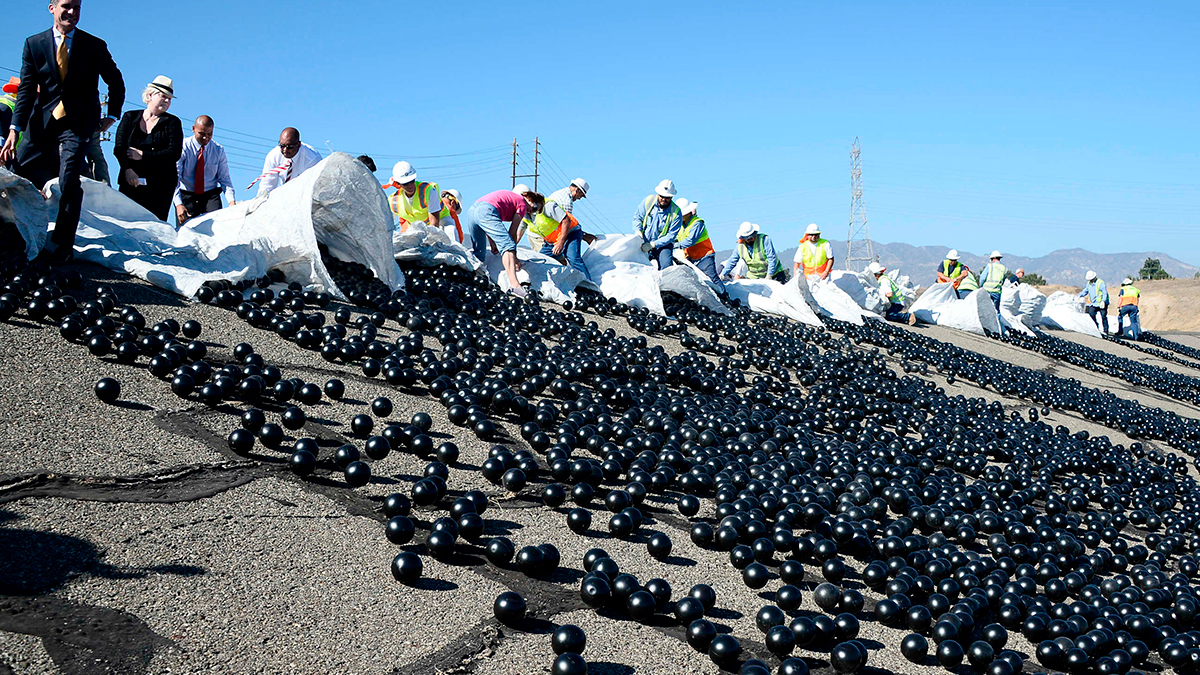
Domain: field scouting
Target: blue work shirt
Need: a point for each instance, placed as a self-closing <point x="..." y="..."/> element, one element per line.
<point x="658" y="221"/>
<point x="768" y="252"/>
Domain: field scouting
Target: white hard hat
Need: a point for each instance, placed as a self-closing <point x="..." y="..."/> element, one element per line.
<point x="952" y="255"/>
<point x="685" y="206"/>
<point x="812" y="229"/>
<point x="581" y="184"/>
<point x="521" y="189"/>
<point x="747" y="229"/>
<point x="1127" y="281"/>
<point x="1090" y="275"/>
<point x="995" y="254"/>
<point x="457" y="197"/>
<point x="665" y="188"/>
<point x="403" y="173"/>
<point x="876" y="268"/>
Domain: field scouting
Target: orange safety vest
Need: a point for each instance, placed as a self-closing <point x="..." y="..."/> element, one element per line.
<point x="701" y="248"/>
<point x="1129" y="296"/>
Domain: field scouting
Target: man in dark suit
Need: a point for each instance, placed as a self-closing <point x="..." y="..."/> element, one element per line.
<point x="58" y="108"/>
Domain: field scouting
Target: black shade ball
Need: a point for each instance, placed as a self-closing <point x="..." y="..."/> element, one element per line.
<point x="509" y="608"/>
<point x="569" y="664"/>
<point x="399" y="530"/>
<point x="568" y="639"/>
<point x="108" y="390"/>
<point x="407" y="567"/>
<point x="358" y="474"/>
<point x="302" y="462"/>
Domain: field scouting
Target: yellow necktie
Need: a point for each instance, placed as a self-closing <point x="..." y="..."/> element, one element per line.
<point x="60" y="111"/>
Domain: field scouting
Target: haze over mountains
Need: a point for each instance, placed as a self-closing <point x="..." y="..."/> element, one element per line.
<point x="1066" y="266"/>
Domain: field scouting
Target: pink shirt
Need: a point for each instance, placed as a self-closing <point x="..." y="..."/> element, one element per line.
<point x="507" y="202"/>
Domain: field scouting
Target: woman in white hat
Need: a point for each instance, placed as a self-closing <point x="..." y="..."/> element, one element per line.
<point x="148" y="144"/>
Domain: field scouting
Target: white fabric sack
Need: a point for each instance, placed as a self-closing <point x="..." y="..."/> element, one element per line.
<point x="767" y="296"/>
<point x="940" y="305"/>
<point x="833" y="301"/>
<point x="337" y="201"/>
<point x="862" y="288"/>
<point x="1064" y="313"/>
<point x="22" y="204"/>
<point x="430" y="246"/>
<point x="932" y="302"/>
<point x="555" y="282"/>
<point x="623" y="272"/>
<point x="685" y="279"/>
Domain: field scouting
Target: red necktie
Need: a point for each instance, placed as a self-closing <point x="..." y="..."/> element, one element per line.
<point x="198" y="181"/>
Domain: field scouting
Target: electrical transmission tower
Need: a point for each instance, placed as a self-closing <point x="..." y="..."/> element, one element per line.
<point x="859" y="248"/>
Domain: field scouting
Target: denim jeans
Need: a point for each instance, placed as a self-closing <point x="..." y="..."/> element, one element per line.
<point x="572" y="251"/>
<point x="895" y="312"/>
<point x="662" y="255"/>
<point x="1103" y="312"/>
<point x="483" y="221"/>
<point x="996" y="300"/>
<point x="708" y="265"/>
<point x="1135" y="322"/>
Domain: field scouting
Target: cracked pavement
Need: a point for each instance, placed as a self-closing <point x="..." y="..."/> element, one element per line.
<point x="133" y="541"/>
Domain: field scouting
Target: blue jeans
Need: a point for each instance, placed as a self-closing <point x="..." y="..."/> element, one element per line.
<point x="996" y="300"/>
<point x="896" y="313"/>
<point x="1135" y="323"/>
<point x="572" y="251"/>
<point x="662" y="255"/>
<point x="708" y="265"/>
<point x="483" y="221"/>
<point x="1103" y="312"/>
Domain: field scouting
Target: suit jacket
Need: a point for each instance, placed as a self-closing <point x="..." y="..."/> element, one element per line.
<point x="42" y="89"/>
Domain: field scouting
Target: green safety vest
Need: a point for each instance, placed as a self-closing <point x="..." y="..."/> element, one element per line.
<point x="897" y="295"/>
<point x="8" y="101"/>
<point x="1133" y="295"/>
<point x="672" y="213"/>
<point x="416" y="209"/>
<point x="1094" y="297"/>
<point x="756" y="259"/>
<point x="544" y="226"/>
<point x="949" y="271"/>
<point x="995" y="273"/>
<point x="969" y="283"/>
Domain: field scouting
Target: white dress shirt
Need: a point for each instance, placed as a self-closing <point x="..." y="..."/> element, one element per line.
<point x="216" y="169"/>
<point x="305" y="159"/>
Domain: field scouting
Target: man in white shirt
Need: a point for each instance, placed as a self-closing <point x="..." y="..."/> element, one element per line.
<point x="203" y="174"/>
<point x="286" y="162"/>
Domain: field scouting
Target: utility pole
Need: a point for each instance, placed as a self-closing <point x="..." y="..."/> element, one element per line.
<point x="536" y="164"/>
<point x="859" y="248"/>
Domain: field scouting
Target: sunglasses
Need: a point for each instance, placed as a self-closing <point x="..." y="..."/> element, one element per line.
<point x="288" y="146"/>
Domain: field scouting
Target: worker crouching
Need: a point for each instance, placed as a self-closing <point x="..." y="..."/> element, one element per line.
<point x="892" y="294"/>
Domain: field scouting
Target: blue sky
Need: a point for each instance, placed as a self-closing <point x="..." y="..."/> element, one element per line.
<point x="1013" y="125"/>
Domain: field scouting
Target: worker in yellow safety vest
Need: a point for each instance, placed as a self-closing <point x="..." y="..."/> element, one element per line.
<point x="952" y="272"/>
<point x="893" y="295"/>
<point x="415" y="201"/>
<point x="993" y="276"/>
<point x="1128" y="299"/>
<point x="756" y="251"/>
<point x="814" y="257"/>
<point x="560" y="234"/>
<point x="693" y="241"/>
<point x="1096" y="293"/>
<point x="658" y="221"/>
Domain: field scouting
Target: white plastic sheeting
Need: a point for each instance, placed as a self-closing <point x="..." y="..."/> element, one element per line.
<point x="829" y="299"/>
<point x="337" y="202"/>
<point x="940" y="305"/>
<point x="686" y="280"/>
<point x="23" y="205"/>
<point x="768" y="296"/>
<point x="1021" y="307"/>
<point x="1063" y="312"/>
<point x="554" y="281"/>
<point x="623" y="272"/>
<point x="861" y="288"/>
<point x="430" y="246"/>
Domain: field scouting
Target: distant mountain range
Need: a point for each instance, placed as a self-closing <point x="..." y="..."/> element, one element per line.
<point x="1066" y="266"/>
